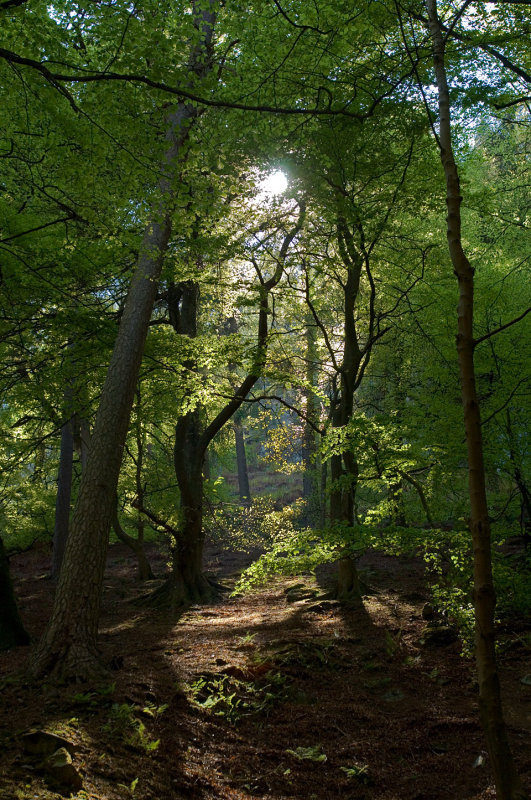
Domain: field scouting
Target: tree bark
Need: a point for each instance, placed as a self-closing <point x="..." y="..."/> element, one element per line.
<point x="508" y="785"/>
<point x="12" y="631"/>
<point x="68" y="646"/>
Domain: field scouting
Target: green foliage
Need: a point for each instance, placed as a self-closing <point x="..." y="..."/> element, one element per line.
<point x="131" y="788"/>
<point x="124" y="723"/>
<point x="233" y="698"/>
<point x="358" y="773"/>
<point x="292" y="553"/>
<point x="312" y="753"/>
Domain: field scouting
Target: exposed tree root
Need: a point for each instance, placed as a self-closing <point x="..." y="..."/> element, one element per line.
<point x="177" y="595"/>
<point x="73" y="663"/>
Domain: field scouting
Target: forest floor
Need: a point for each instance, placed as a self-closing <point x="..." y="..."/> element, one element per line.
<point x="277" y="694"/>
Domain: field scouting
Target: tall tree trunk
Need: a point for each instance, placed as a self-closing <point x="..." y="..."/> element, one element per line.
<point x="519" y="478"/>
<point x="310" y="475"/>
<point x="64" y="494"/>
<point x="69" y="643"/>
<point x="508" y="786"/>
<point x="322" y="494"/>
<point x="12" y="631"/>
<point x="241" y="462"/>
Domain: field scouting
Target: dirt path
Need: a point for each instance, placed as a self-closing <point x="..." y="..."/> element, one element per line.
<point x="274" y="695"/>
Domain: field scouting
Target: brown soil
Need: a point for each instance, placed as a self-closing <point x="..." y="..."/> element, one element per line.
<point x="262" y="696"/>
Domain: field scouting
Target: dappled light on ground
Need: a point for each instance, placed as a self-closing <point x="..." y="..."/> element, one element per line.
<point x="277" y="694"/>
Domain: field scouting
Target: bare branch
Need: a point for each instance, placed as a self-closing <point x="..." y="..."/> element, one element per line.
<point x="502" y="327"/>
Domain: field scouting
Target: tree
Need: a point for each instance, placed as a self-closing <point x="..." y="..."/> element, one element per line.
<point x="508" y="786"/>
<point x="68" y="645"/>
<point x="187" y="583"/>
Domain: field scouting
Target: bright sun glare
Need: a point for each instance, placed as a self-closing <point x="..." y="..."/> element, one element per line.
<point x="276" y="183"/>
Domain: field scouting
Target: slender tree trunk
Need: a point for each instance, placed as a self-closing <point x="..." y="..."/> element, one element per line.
<point x="422" y="495"/>
<point x="145" y="572"/>
<point x="12" y="631"/>
<point x="82" y="440"/>
<point x="241" y="463"/>
<point x="68" y="646"/>
<point x="508" y="786"/>
<point x="64" y="493"/>
<point x="310" y="475"/>
<point x="322" y="495"/>
<point x="519" y="477"/>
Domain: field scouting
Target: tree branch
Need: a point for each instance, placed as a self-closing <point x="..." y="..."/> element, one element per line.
<point x="56" y="79"/>
<point x="501" y="328"/>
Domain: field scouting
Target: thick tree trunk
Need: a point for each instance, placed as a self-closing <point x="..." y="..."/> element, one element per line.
<point x="12" y="631"/>
<point x="188" y="585"/>
<point x="508" y="786"/>
<point x="68" y="646"/>
<point x="241" y="463"/>
<point x="64" y="493"/>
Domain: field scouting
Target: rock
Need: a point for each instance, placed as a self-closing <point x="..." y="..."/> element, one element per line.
<point x="438" y="636"/>
<point x="428" y="611"/>
<point x="294" y="587"/>
<point x="59" y="767"/>
<point x="42" y="743"/>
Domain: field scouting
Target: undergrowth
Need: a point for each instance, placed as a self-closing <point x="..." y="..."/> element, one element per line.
<point x="448" y="556"/>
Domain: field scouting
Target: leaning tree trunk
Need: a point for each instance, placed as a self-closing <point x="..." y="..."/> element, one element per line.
<point x="12" y="631"/>
<point x="508" y="786"/>
<point x="68" y="646"/>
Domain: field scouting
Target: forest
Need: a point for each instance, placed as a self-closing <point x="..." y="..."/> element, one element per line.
<point x="265" y="377"/>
